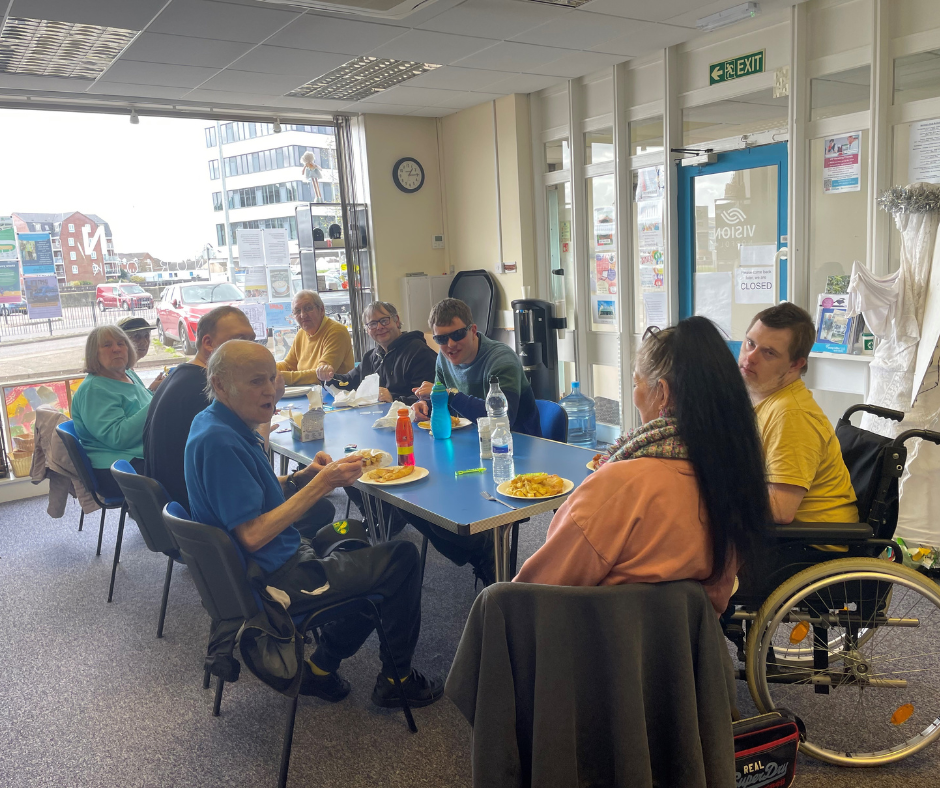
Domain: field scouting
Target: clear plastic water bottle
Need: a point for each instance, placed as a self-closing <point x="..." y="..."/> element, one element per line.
<point x="503" y="468"/>
<point x="497" y="406"/>
<point x="582" y="422"/>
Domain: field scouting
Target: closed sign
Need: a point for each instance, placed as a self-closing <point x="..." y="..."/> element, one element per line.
<point x="754" y="284"/>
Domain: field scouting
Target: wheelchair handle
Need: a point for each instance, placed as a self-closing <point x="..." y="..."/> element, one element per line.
<point x="874" y="410"/>
<point x="927" y="435"/>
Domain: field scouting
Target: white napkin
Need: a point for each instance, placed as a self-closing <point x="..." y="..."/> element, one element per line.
<point x="315" y="398"/>
<point x="366" y="394"/>
<point x="389" y="419"/>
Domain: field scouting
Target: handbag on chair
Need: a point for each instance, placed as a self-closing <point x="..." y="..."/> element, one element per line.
<point x="765" y="749"/>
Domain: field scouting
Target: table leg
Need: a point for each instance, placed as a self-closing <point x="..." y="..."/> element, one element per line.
<point x="370" y="519"/>
<point x="501" y="538"/>
<point x="380" y="520"/>
<point x="284" y="462"/>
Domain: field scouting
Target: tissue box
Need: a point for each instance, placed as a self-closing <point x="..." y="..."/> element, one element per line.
<point x="308" y="426"/>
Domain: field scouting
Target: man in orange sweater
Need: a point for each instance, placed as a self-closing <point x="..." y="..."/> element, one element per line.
<point x="320" y="341"/>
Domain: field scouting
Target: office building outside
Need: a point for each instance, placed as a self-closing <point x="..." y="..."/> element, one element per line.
<point x="264" y="179"/>
<point x="81" y="244"/>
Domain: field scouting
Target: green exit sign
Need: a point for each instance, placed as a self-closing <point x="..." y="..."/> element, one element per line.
<point x="735" y="68"/>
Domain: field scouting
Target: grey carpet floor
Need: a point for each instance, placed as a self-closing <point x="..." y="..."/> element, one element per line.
<point x="89" y="697"/>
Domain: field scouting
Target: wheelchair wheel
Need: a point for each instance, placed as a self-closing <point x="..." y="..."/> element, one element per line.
<point x="870" y="694"/>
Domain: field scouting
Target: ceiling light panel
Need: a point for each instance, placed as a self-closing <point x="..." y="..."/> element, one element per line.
<point x="59" y="49"/>
<point x="565" y="3"/>
<point x="362" y="77"/>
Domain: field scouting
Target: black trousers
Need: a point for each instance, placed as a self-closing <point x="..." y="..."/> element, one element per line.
<point x="477" y="549"/>
<point x="107" y="486"/>
<point x="323" y="512"/>
<point x="391" y="570"/>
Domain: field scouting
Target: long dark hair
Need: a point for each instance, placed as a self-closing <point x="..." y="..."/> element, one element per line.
<point x="716" y="422"/>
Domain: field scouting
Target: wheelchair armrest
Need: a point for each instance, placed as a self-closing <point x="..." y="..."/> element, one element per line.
<point x="823" y="532"/>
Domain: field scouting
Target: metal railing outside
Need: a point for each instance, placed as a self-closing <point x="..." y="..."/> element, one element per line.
<point x="73" y="320"/>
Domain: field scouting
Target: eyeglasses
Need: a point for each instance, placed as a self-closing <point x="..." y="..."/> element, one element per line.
<point x="306" y="309"/>
<point x="443" y="339"/>
<point x="382" y="321"/>
<point x="651" y="331"/>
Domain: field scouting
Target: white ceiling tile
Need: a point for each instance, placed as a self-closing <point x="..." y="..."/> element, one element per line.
<point x="493" y="18"/>
<point x="650" y="11"/>
<point x="367" y="108"/>
<point x="522" y="83"/>
<point x="645" y="40"/>
<point x="512" y="56"/>
<point x="163" y="74"/>
<point x="30" y="82"/>
<point x="409" y="96"/>
<point x="432" y="112"/>
<point x="184" y="51"/>
<point x="456" y="78"/>
<point x="136" y="91"/>
<point x="109" y="13"/>
<point x="426" y="46"/>
<point x="577" y="64"/>
<point x="281" y="60"/>
<point x="579" y="30"/>
<point x="424" y="14"/>
<point x="462" y="100"/>
<point x="326" y="34"/>
<point x="299" y="102"/>
<point x="221" y="21"/>
<point x="230" y="97"/>
<point x="274" y="85"/>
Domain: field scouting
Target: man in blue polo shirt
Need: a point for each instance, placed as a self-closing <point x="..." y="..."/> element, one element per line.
<point x="231" y="485"/>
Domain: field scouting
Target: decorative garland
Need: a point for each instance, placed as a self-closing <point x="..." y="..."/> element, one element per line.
<point x="915" y="199"/>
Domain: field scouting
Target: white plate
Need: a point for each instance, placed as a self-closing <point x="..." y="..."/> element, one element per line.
<point x="458" y="426"/>
<point x="419" y="473"/>
<point x="590" y="465"/>
<point x="568" y="487"/>
<point x="384" y="462"/>
<point x="292" y="392"/>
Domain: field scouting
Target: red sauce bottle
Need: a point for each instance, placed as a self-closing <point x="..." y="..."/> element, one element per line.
<point x="404" y="438"/>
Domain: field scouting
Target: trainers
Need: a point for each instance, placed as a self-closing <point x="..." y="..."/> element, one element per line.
<point x="484" y="571"/>
<point x="419" y="690"/>
<point x="332" y="687"/>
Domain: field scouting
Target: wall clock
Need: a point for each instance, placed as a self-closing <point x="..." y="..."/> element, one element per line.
<point x="408" y="174"/>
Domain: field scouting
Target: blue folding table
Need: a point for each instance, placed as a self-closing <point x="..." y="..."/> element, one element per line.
<point x="451" y="502"/>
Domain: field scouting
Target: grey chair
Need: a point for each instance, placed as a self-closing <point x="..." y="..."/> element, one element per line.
<point x="145" y="501"/>
<point x="219" y="571"/>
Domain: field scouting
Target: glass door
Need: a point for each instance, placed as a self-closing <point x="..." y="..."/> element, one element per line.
<point x="732" y="228"/>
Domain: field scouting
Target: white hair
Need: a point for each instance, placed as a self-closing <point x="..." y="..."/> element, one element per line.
<point x="310" y="295"/>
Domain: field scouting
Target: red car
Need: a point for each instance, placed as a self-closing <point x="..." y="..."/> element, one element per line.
<point x="123" y="296"/>
<point x="181" y="306"/>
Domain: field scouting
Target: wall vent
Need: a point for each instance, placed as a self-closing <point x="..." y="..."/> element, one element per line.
<point x="384" y="9"/>
<point x="360" y="78"/>
<point x="59" y="49"/>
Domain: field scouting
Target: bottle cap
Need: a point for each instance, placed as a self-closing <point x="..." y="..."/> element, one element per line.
<point x="403" y="411"/>
<point x="494" y="379"/>
<point x="438" y="387"/>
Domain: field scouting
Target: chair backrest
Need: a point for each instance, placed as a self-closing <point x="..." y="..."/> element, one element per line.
<point x="478" y="290"/>
<point x="145" y="501"/>
<point x="79" y="458"/>
<point x="215" y="564"/>
<point x="553" y="419"/>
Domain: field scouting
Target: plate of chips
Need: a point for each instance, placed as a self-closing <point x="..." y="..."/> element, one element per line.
<point x="395" y="474"/>
<point x="592" y="464"/>
<point x="372" y="458"/>
<point x="456" y="423"/>
<point x="535" y="485"/>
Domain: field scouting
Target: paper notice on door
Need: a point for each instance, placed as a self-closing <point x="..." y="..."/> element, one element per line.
<point x="758" y="254"/>
<point x="250" y="250"/>
<point x="754" y="285"/>
<point x="713" y="299"/>
<point x="654" y="305"/>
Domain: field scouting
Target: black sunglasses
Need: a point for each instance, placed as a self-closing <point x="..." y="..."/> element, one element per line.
<point x="651" y="331"/>
<point x="443" y="339"/>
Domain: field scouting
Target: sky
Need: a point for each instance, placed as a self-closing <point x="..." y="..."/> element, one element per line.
<point x="150" y="182"/>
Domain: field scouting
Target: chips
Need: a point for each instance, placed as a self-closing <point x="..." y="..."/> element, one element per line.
<point x="370" y="457"/>
<point x="536" y="485"/>
<point x="383" y="475"/>
<point x="454" y="423"/>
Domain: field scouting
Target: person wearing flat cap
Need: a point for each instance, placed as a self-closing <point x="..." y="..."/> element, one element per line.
<point x="138" y="329"/>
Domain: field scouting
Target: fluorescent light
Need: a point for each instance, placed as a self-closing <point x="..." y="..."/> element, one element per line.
<point x="728" y="17"/>
<point x="60" y="49"/>
<point x="360" y="78"/>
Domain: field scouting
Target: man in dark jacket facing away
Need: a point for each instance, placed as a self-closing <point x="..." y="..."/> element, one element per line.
<point x="403" y="361"/>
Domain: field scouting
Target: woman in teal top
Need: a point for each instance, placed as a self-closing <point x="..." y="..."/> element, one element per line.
<point x="110" y="406"/>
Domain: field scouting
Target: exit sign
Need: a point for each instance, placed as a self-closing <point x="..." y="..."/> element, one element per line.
<point x="735" y="68"/>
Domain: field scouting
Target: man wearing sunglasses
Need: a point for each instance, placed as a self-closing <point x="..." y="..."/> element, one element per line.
<point x="402" y="360"/>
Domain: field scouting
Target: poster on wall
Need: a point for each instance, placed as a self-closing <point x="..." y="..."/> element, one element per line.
<point x="654" y="310"/>
<point x="278" y="315"/>
<point x="604" y="309"/>
<point x="283" y="340"/>
<point x="22" y="402"/>
<point x="256" y="284"/>
<point x="250" y="250"/>
<point x="276" y="245"/>
<point x="754" y="285"/>
<point x="650" y="225"/>
<point x="924" y="156"/>
<point x="652" y="278"/>
<point x="605" y="268"/>
<point x="42" y="297"/>
<point x="713" y="299"/>
<point x="603" y="227"/>
<point x="278" y="283"/>
<point x="35" y="251"/>
<point x="649" y="183"/>
<point x="256" y="316"/>
<point x="10" y="291"/>
<point x="842" y="164"/>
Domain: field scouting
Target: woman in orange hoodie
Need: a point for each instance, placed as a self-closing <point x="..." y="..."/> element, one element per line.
<point x="683" y="496"/>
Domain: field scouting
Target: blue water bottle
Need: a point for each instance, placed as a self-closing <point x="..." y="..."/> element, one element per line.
<point x="440" y="415"/>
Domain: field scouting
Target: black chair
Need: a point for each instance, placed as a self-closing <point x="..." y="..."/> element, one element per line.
<point x="218" y="569"/>
<point x="145" y="501"/>
<point x="477" y="289"/>
<point x="86" y="475"/>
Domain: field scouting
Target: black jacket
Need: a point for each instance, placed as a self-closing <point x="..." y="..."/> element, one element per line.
<point x="406" y="364"/>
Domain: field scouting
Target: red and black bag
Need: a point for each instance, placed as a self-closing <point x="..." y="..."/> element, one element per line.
<point x="765" y="750"/>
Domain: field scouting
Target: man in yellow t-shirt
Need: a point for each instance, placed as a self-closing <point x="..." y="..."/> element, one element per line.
<point x="320" y="341"/>
<point x="806" y="474"/>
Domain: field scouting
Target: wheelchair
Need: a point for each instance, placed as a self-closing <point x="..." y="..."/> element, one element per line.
<point x="837" y="630"/>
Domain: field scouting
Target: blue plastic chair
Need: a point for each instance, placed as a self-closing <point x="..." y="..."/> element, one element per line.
<point x="86" y="475"/>
<point x="146" y="498"/>
<point x="553" y="419"/>
<point x="218" y="567"/>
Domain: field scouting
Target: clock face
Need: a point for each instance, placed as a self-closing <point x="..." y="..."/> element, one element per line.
<point x="408" y="175"/>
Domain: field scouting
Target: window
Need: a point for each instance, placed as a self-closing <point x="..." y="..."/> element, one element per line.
<point x="289" y="223"/>
<point x="557" y="155"/>
<point x="917" y="77"/>
<point x="94" y="255"/>
<point x="74" y="269"/>
<point x="71" y="255"/>
<point x="840" y="93"/>
<point x="71" y="228"/>
<point x="273" y="159"/>
<point x="734" y="117"/>
<point x="271" y="194"/>
<point x="214" y="170"/>
<point x="71" y="242"/>
<point x="646" y="136"/>
<point x="599" y="146"/>
<point x="210" y="137"/>
<point x="233" y="132"/>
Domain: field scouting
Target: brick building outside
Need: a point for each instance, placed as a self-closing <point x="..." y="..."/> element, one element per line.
<point x="81" y="244"/>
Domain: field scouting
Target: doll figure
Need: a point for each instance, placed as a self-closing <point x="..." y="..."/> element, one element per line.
<point x="311" y="172"/>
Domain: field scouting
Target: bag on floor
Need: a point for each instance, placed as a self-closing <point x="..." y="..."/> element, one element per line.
<point x="765" y="750"/>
